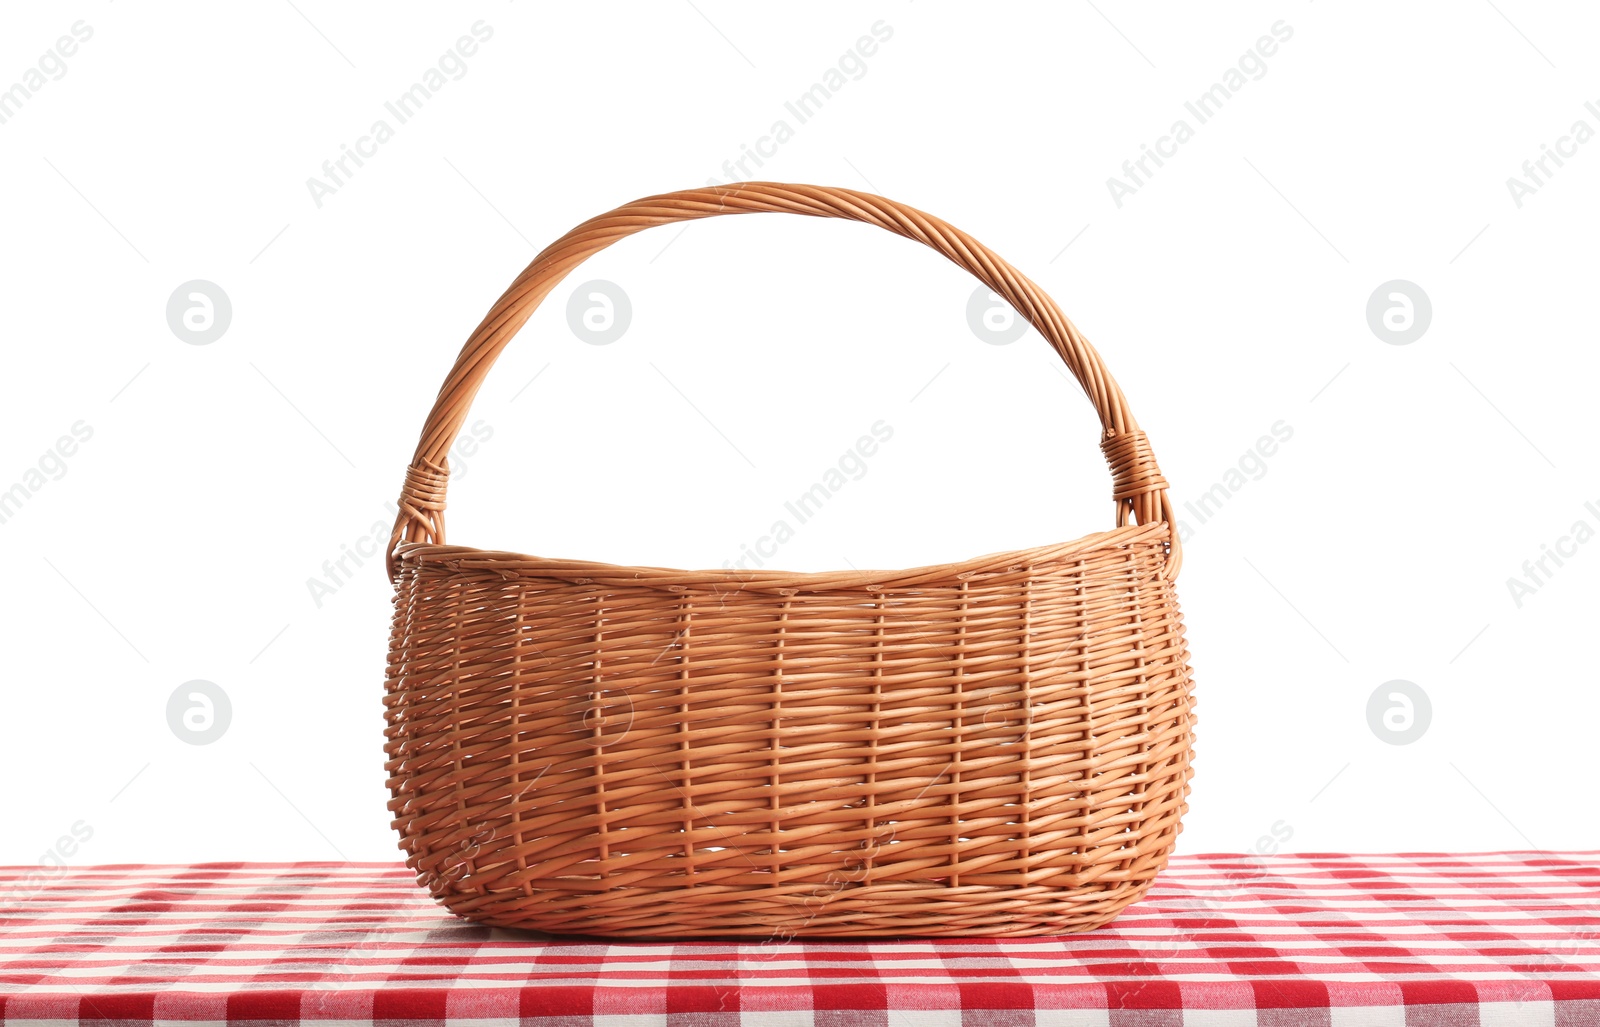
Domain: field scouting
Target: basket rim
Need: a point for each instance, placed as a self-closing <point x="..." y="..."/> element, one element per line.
<point x="511" y="565"/>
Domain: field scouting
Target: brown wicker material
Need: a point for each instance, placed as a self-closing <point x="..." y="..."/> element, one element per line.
<point x="994" y="747"/>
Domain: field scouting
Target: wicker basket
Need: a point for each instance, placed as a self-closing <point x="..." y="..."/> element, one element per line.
<point x="994" y="747"/>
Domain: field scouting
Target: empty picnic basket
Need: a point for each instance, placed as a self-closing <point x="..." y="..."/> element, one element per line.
<point x="999" y="746"/>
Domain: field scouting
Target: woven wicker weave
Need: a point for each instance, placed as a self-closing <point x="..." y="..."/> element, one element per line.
<point x="994" y="747"/>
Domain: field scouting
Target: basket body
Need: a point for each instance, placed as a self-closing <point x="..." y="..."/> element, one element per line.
<point x="997" y="747"/>
<point x="994" y="747"/>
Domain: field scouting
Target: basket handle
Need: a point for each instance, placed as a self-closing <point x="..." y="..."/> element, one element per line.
<point x="1138" y="489"/>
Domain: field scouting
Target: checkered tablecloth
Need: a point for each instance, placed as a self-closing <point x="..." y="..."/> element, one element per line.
<point x="1494" y="939"/>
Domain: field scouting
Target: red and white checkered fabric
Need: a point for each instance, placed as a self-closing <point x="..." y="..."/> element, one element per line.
<point x="1335" y="940"/>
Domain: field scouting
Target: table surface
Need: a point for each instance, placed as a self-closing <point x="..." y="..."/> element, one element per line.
<point x="1221" y="940"/>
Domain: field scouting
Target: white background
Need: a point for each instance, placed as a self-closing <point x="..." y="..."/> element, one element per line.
<point x="1228" y="293"/>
